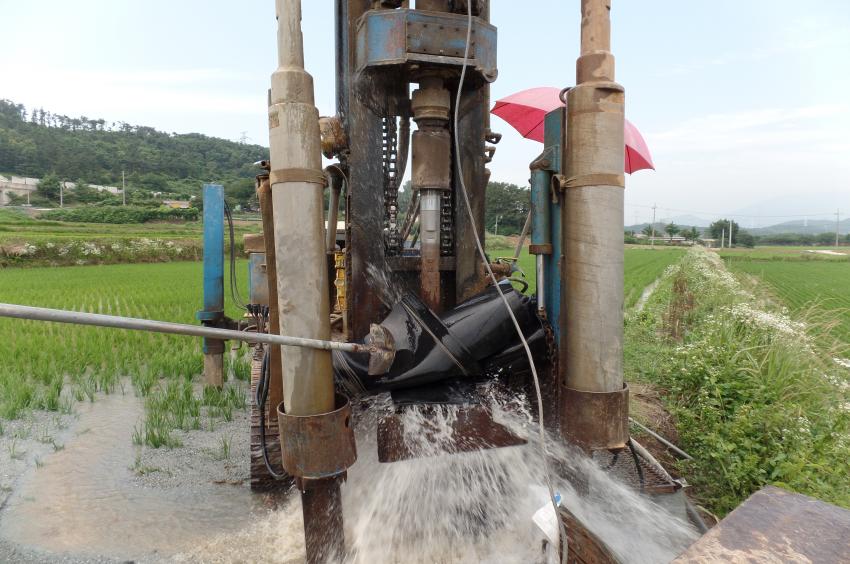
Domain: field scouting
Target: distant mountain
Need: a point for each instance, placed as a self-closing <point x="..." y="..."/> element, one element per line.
<point x="804" y="227"/>
<point x="814" y="205"/>
<point x="34" y="143"/>
<point x="690" y="220"/>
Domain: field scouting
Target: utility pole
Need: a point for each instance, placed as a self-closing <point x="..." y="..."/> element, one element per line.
<point x="652" y="240"/>
<point x="730" y="233"/>
<point x="123" y="189"/>
<point x="722" y="237"/>
<point x="496" y="229"/>
<point x="837" y="225"/>
<point x="62" y="194"/>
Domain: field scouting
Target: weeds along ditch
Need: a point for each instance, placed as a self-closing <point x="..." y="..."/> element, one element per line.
<point x="756" y="392"/>
<point x="49" y="366"/>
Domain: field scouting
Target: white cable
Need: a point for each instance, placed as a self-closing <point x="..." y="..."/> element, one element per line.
<point x="541" y="429"/>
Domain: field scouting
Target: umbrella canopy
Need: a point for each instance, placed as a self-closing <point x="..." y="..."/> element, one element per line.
<point x="526" y="112"/>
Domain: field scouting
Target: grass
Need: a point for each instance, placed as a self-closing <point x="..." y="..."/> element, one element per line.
<point x="43" y="360"/>
<point x="642" y="267"/>
<point x="786" y="253"/>
<point x="804" y="285"/>
<point x="756" y="398"/>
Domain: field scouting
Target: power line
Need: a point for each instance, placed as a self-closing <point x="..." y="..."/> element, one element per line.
<point x="717" y="214"/>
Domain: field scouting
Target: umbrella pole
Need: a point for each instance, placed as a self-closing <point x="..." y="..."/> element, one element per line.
<point x="592" y="289"/>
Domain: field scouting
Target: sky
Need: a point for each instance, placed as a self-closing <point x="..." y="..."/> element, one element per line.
<point x="744" y="103"/>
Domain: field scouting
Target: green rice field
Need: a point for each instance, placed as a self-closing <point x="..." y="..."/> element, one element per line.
<point x="642" y="267"/>
<point x="50" y="366"/>
<point x="805" y="285"/>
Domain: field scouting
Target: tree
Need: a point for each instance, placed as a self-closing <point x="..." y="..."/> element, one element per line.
<point x="48" y="187"/>
<point x="692" y="234"/>
<point x="718" y="227"/>
<point x="509" y="204"/>
<point x="672" y="229"/>
<point x="746" y="239"/>
<point x="648" y="231"/>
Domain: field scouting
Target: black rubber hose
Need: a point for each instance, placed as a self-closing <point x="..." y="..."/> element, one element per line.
<point x="234" y="287"/>
<point x="262" y="396"/>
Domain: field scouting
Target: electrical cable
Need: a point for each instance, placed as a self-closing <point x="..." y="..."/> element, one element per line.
<point x="261" y="396"/>
<point x="234" y="287"/>
<point x="541" y="428"/>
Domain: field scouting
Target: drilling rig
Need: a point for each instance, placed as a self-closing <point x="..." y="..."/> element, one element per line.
<point x="416" y="308"/>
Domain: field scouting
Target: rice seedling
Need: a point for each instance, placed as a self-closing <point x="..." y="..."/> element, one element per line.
<point x="42" y="360"/>
<point x="805" y="284"/>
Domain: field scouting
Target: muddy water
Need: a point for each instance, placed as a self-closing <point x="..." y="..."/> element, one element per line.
<point x="85" y="500"/>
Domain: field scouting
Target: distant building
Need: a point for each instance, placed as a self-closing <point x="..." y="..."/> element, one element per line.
<point x="676" y="240"/>
<point x="17" y="185"/>
<point x="23" y="186"/>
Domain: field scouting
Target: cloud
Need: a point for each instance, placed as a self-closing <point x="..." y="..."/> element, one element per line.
<point x="173" y="91"/>
<point x="819" y="127"/>
<point x="791" y="46"/>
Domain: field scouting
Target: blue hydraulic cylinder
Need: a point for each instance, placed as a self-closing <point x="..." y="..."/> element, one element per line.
<point x="541" y="213"/>
<point x="213" y="311"/>
<point x="546" y="203"/>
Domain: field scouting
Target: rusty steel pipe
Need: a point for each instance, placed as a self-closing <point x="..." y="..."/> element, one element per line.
<point x="335" y="180"/>
<point x="321" y="505"/>
<point x="264" y="195"/>
<point x="591" y="351"/>
<point x="297" y="182"/>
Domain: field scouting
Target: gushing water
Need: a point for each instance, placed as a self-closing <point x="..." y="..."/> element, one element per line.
<point x="446" y="507"/>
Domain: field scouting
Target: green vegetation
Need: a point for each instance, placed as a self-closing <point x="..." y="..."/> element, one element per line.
<point x="643" y="267"/>
<point x="35" y="143"/>
<point x="25" y="241"/>
<point x="806" y="285"/>
<point x="49" y="366"/>
<point x="756" y="398"/>
<point x="121" y="214"/>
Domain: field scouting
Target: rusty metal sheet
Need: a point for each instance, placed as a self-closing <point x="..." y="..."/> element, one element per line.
<point x="595" y="420"/>
<point x="317" y="447"/>
<point x="583" y="546"/>
<point x="776" y="526"/>
<point x="474" y="429"/>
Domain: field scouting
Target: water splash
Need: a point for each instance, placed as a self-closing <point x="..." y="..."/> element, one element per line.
<point x="467" y="507"/>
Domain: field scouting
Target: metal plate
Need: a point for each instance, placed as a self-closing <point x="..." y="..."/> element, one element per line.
<point x="474" y="429"/>
<point x="399" y="37"/>
<point x="775" y="525"/>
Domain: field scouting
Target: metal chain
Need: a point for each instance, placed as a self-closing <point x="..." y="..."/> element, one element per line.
<point x="390" y="150"/>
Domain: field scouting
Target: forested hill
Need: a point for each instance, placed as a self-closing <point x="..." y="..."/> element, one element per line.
<point x="34" y="142"/>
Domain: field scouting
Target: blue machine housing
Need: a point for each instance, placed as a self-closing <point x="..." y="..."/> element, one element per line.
<point x="213" y="312"/>
<point x="546" y="202"/>
<point x="402" y="37"/>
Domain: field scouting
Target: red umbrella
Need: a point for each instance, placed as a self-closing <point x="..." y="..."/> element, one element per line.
<point x="526" y="111"/>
